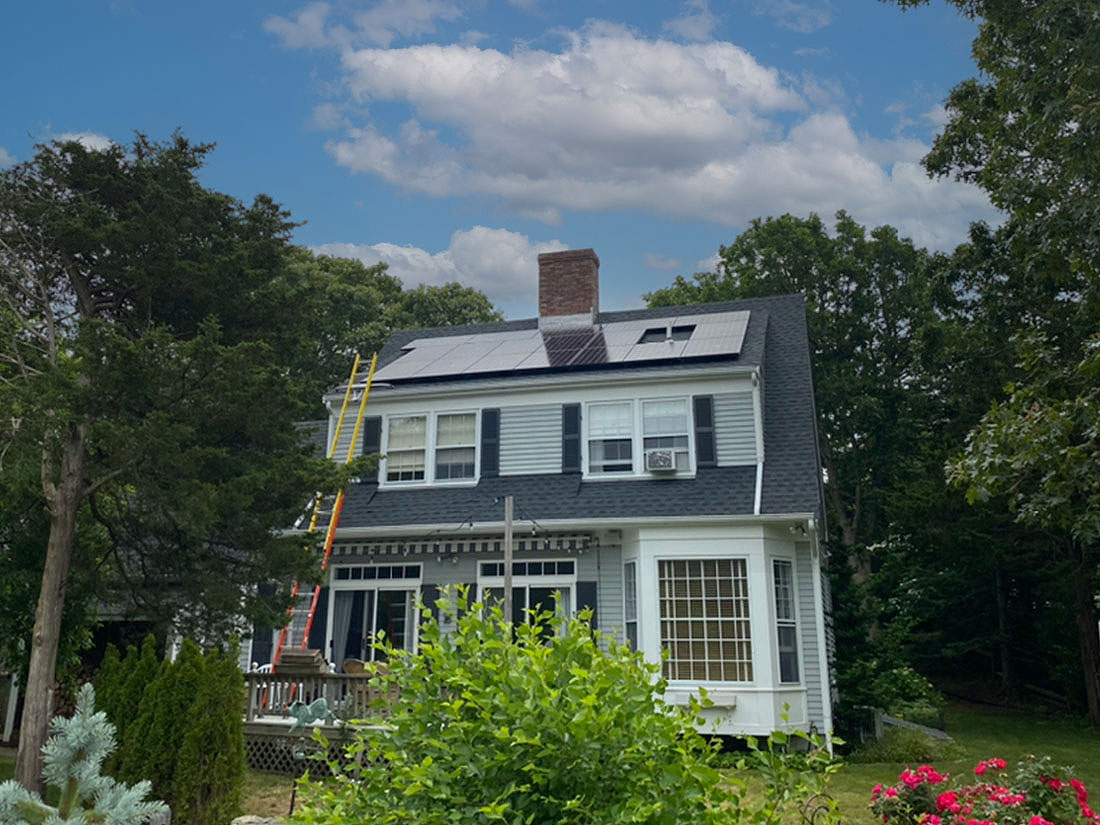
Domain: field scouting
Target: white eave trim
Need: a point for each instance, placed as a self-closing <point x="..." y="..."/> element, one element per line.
<point x="561" y="525"/>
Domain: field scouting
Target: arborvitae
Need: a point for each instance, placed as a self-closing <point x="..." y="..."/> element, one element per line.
<point x="211" y="764"/>
<point x="127" y="702"/>
<point x="141" y="733"/>
<point x="170" y="719"/>
<point x="107" y="681"/>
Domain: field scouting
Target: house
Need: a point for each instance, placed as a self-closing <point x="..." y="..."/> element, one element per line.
<point x="664" y="469"/>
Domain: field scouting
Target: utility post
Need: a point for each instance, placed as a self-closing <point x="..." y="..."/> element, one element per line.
<point x="508" y="559"/>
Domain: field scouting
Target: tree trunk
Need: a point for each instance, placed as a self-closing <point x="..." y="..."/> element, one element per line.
<point x="1084" y="599"/>
<point x="63" y="496"/>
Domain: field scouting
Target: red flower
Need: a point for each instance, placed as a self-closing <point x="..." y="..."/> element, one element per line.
<point x="891" y="792"/>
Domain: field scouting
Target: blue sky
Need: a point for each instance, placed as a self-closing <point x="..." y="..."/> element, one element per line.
<point x="456" y="140"/>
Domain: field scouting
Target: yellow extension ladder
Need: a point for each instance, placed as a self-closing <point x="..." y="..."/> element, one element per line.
<point x="334" y="518"/>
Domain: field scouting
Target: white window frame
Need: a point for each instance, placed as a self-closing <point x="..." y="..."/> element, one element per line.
<point x="630" y="604"/>
<point x="431" y="447"/>
<point x="788" y="622"/>
<point x="637" y="437"/>
<point x="410" y="585"/>
<point x="566" y="583"/>
<point x="687" y="434"/>
<point x="749" y="665"/>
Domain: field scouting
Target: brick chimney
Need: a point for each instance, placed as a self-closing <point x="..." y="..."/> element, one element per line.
<point x="569" y="288"/>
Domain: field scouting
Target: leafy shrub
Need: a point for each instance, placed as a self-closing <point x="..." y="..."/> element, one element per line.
<point x="1039" y="793"/>
<point x="903" y="745"/>
<point x="538" y="724"/>
<point x="73" y="759"/>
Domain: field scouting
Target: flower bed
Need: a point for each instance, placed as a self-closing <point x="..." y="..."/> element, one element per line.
<point x="1038" y="793"/>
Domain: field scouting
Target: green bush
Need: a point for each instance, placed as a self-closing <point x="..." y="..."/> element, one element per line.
<point x="546" y="723"/>
<point x="904" y="746"/>
<point x="211" y="765"/>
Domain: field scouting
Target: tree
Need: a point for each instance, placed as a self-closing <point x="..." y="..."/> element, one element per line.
<point x="1040" y="449"/>
<point x="137" y="379"/>
<point x="1026" y="131"/>
<point x="870" y="312"/>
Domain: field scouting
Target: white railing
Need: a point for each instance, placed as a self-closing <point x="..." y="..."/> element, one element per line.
<point x="270" y="695"/>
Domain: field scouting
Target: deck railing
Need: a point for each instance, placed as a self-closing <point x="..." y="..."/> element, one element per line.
<point x="270" y="695"/>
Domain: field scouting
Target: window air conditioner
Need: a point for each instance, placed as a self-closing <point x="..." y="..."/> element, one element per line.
<point x="660" y="461"/>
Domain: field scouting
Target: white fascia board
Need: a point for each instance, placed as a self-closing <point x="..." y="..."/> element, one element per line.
<point x="559" y="382"/>
<point x="566" y="525"/>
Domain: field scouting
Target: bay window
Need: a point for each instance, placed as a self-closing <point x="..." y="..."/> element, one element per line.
<point x="704" y="610"/>
<point x="786" y="628"/>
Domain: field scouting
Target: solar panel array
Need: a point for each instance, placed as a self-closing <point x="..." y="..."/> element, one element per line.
<point x="619" y="342"/>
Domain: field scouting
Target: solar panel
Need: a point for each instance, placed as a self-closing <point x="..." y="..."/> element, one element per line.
<point x="643" y="340"/>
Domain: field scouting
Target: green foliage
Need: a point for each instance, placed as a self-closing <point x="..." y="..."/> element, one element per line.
<point x="795" y="769"/>
<point x="137" y="672"/>
<point x="904" y="746"/>
<point x="544" y="723"/>
<point x="73" y="758"/>
<point x="210" y="767"/>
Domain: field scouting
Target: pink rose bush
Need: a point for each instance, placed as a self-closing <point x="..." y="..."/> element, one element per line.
<point x="1037" y="794"/>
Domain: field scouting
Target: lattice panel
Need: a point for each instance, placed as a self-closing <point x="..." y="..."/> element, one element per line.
<point x="275" y="753"/>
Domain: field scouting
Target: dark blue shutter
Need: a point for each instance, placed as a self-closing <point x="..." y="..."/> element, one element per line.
<point x="490" y="443"/>
<point x="586" y="598"/>
<point x="320" y="620"/>
<point x="571" y="438"/>
<point x="705" y="451"/>
<point x="372" y="442"/>
<point x="261" y="645"/>
<point x="429" y="595"/>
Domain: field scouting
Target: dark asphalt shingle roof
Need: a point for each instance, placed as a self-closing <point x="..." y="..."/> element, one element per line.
<point x="776" y="340"/>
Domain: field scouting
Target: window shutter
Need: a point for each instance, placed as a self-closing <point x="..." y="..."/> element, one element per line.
<point x="261" y="645"/>
<point x="372" y="442"/>
<point x="429" y="595"/>
<point x="571" y="438"/>
<point x="320" y="621"/>
<point x="490" y="443"/>
<point x="705" y="454"/>
<point x="586" y="598"/>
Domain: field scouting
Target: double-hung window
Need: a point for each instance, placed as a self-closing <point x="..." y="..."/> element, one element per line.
<point x="427" y="448"/>
<point x="455" y="445"/>
<point x="406" y="448"/>
<point x="611" y="437"/>
<point x="786" y="627"/>
<point x="630" y="603"/>
<point x="665" y="427"/>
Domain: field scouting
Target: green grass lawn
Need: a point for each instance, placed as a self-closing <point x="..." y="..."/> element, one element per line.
<point x="981" y="733"/>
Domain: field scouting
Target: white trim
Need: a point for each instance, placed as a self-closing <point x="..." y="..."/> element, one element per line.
<point x="556" y="525"/>
<point x="13" y="703"/>
<point x="824" y="666"/>
<point x="758" y="493"/>
<point x="637" y="438"/>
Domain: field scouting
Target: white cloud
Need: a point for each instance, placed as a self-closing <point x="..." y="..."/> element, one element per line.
<point x="91" y="141"/>
<point x="808" y="52"/>
<point x="937" y="116"/>
<point x="655" y="260"/>
<point x="697" y="23"/>
<point x="307" y="30"/>
<point x="500" y="263"/>
<point x="379" y="25"/>
<point x="708" y="264"/>
<point x="6" y="158"/>
<point x="615" y="121"/>
<point x="799" y="17"/>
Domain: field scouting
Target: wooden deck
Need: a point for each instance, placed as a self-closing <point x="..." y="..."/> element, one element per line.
<point x="269" y="742"/>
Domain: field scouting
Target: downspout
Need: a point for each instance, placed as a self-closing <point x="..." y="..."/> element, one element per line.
<point x="819" y="628"/>
<point x="758" y="428"/>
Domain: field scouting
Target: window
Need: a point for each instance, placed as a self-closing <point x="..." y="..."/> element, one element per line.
<point x="665" y="427"/>
<point x="429" y="448"/>
<point x="405" y="448"/>
<point x="455" y="445"/>
<point x="370" y="602"/>
<point x="534" y="584"/>
<point x="705" y="620"/>
<point x="657" y="335"/>
<point x="610" y="438"/>
<point x="786" y="628"/>
<point x="630" y="603"/>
